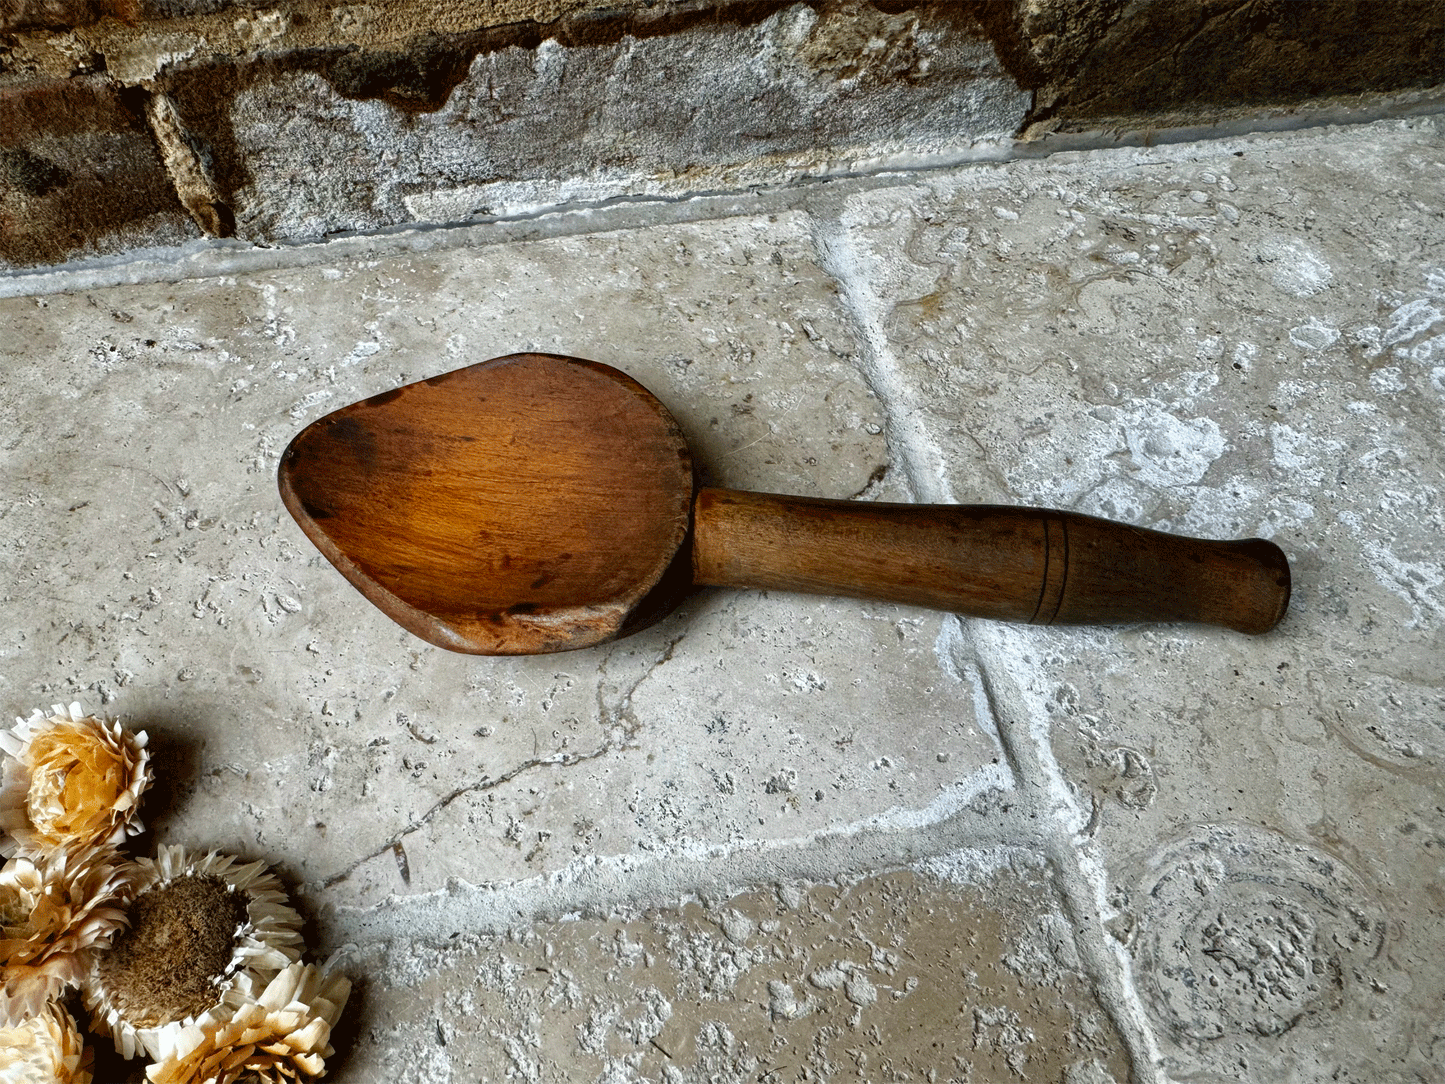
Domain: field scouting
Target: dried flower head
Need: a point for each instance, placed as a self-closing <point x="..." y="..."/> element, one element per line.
<point x="45" y="1049"/>
<point x="205" y="932"/>
<point x="281" y="1036"/>
<point x="71" y="781"/>
<point x="54" y="912"/>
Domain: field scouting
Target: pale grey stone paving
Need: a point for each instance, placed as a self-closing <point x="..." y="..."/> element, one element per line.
<point x="1230" y="339"/>
<point x="154" y="573"/>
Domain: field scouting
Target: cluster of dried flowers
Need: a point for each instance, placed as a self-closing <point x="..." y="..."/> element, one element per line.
<point x="191" y="959"/>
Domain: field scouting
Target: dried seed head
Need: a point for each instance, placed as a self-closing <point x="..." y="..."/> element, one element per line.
<point x="205" y="933"/>
<point x="175" y="958"/>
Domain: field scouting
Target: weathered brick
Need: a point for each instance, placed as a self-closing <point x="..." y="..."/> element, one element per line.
<point x="79" y="173"/>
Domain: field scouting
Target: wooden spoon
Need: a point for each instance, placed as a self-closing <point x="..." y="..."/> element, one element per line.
<point x="539" y="503"/>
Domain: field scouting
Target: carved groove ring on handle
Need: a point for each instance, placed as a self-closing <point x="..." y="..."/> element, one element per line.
<point x="1056" y="571"/>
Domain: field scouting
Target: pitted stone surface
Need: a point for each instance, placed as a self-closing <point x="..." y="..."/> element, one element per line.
<point x="1244" y="932"/>
<point x="893" y="977"/>
<point x="1228" y="340"/>
<point x="303" y="120"/>
<point x="527" y="129"/>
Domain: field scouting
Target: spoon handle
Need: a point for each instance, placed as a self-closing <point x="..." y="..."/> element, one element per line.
<point x="1032" y="565"/>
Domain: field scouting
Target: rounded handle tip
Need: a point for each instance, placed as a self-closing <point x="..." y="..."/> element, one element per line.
<point x="1265" y="593"/>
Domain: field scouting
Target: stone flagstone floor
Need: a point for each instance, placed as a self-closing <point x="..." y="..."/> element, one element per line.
<point x="773" y="837"/>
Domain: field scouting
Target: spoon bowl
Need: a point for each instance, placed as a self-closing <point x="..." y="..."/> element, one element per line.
<point x="531" y="503"/>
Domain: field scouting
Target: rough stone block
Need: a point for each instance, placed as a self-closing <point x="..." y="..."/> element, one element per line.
<point x="291" y="126"/>
<point x="704" y="108"/>
<point x="303" y="119"/>
<point x="1145" y="64"/>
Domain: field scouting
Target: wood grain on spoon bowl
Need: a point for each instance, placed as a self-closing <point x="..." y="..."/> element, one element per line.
<point x="527" y="504"/>
<point x="540" y="503"/>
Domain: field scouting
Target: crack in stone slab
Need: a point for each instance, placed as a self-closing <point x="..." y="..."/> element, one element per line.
<point x="1066" y="838"/>
<point x="480" y="786"/>
<point x="690" y="868"/>
<point x="621" y="714"/>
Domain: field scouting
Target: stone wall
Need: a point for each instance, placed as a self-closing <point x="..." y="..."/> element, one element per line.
<point x="128" y="124"/>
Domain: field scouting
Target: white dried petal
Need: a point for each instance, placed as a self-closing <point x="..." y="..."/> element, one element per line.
<point x="54" y="913"/>
<point x="46" y="1048"/>
<point x="281" y="1035"/>
<point x="71" y="781"/>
